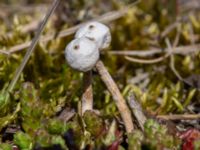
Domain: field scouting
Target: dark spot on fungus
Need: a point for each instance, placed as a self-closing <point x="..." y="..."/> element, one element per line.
<point x="90" y="38"/>
<point x="91" y="27"/>
<point x="76" y="47"/>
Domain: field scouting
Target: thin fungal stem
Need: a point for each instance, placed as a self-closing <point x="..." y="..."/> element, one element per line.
<point x="87" y="97"/>
<point x="117" y="96"/>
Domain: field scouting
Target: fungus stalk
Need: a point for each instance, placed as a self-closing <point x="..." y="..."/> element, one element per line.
<point x="100" y="35"/>
<point x="82" y="55"/>
<point x="87" y="97"/>
<point x="117" y="97"/>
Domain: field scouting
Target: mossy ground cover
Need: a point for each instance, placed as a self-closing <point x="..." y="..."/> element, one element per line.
<point x="43" y="111"/>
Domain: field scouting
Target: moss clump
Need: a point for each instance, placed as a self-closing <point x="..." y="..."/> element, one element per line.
<point x="94" y="123"/>
<point x="155" y="137"/>
<point x="23" y="140"/>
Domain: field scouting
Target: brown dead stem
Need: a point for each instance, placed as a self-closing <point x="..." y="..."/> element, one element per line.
<point x="117" y="96"/>
<point x="179" y="117"/>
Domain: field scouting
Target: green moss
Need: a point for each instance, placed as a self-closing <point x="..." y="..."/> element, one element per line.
<point x="23" y="140"/>
<point x="55" y="126"/>
<point x="5" y="146"/>
<point x="94" y="123"/>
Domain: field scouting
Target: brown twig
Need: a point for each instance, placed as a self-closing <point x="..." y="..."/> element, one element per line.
<point x="179" y="117"/>
<point x="169" y="28"/>
<point x="146" y="61"/>
<point x="136" y="52"/>
<point x="181" y="50"/>
<point x="117" y="97"/>
<point x="177" y="50"/>
<point x="172" y="62"/>
<point x="191" y="5"/>
<point x="170" y="47"/>
<point x="87" y="97"/>
<point x="137" y="111"/>
<point x="4" y="52"/>
<point x="66" y="114"/>
<point x="26" y="28"/>
<point x="30" y="26"/>
<point x="156" y="60"/>
<point x="8" y="9"/>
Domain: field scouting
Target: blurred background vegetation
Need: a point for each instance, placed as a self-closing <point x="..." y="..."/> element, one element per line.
<point x="48" y="86"/>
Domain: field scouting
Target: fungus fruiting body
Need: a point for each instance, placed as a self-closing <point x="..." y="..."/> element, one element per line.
<point x="82" y="54"/>
<point x="97" y="32"/>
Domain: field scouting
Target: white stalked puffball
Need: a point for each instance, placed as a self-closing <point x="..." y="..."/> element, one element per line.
<point x="82" y="54"/>
<point x="96" y="32"/>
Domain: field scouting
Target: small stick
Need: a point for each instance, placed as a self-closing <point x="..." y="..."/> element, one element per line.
<point x="87" y="97"/>
<point x="169" y="28"/>
<point x="137" y="111"/>
<point x="172" y="63"/>
<point x="180" y="117"/>
<point x="66" y="114"/>
<point x="181" y="50"/>
<point x="118" y="98"/>
<point x="147" y="61"/>
<point x="134" y="52"/>
<point x="4" y="52"/>
<point x="172" y="66"/>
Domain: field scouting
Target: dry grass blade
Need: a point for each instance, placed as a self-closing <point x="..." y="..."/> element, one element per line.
<point x="169" y="29"/>
<point x="137" y="111"/>
<point x="136" y="52"/>
<point x="172" y="64"/>
<point x="146" y="61"/>
<point x="4" y="52"/>
<point x="172" y="61"/>
<point x="180" y="117"/>
<point x="22" y="8"/>
<point x="32" y="46"/>
<point x="181" y="50"/>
